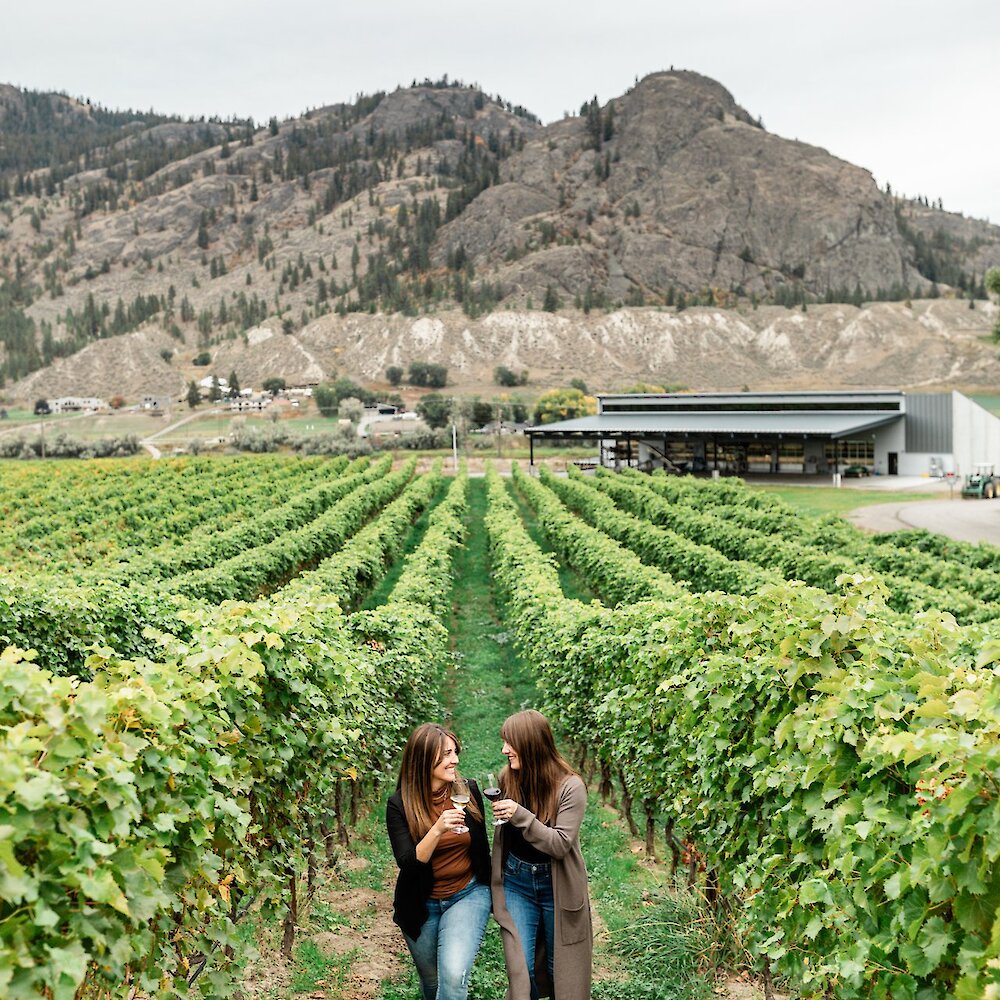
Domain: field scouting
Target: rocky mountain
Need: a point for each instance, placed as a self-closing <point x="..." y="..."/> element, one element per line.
<point x="347" y="234"/>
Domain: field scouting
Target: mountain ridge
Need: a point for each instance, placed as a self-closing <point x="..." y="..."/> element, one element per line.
<point x="438" y="197"/>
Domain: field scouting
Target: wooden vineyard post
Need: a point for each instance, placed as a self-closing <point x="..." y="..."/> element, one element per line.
<point x="627" y="806"/>
<point x="291" y="917"/>
<point x="650" y="831"/>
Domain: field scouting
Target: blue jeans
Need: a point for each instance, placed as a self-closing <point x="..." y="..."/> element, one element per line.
<point x="527" y="890"/>
<point x="449" y="942"/>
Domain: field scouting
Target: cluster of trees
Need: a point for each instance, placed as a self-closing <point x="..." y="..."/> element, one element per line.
<point x="426" y="374"/>
<point x="41" y="135"/>
<point x="96" y="321"/>
<point x="330" y="397"/>
<point x="232" y="390"/>
<point x="439" y="411"/>
<point x="48" y="145"/>
<point x="564" y="404"/>
<point x="20" y="355"/>
<point x="600" y="125"/>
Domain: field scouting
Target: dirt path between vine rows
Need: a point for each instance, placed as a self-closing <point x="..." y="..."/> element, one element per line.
<point x="361" y="926"/>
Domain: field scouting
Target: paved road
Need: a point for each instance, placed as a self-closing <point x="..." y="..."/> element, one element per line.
<point x="966" y="520"/>
<point x="147" y="442"/>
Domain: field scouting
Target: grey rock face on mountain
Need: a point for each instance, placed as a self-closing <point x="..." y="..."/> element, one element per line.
<point x="697" y="196"/>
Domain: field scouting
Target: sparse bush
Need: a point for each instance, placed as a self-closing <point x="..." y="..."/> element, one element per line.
<point x="351" y="409"/>
<point x="504" y="376"/>
<point x="338" y="442"/>
<point x="425" y="440"/>
<point x="258" y="440"/>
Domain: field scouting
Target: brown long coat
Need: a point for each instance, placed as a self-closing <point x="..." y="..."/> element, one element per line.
<point x="574" y="935"/>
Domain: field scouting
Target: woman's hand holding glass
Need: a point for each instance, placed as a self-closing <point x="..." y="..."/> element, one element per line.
<point x="503" y="809"/>
<point x="451" y="821"/>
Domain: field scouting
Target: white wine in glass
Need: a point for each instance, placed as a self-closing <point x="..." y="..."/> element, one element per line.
<point x="491" y="789"/>
<point x="460" y="799"/>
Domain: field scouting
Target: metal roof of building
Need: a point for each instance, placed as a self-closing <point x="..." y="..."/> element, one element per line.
<point x="770" y="424"/>
<point x="861" y="395"/>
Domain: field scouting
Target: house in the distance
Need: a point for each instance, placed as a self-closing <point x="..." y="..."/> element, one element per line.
<point x="77" y="404"/>
<point x="205" y="385"/>
<point x="254" y="403"/>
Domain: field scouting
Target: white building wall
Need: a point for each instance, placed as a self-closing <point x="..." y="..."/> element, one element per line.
<point x="935" y="464"/>
<point x="891" y="438"/>
<point x="976" y="435"/>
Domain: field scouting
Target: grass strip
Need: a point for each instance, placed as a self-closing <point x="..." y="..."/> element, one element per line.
<point x="573" y="584"/>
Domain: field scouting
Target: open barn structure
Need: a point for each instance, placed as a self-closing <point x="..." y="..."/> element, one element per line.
<point x="880" y="432"/>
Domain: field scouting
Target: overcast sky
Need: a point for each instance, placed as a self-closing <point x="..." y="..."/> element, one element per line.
<point x="908" y="90"/>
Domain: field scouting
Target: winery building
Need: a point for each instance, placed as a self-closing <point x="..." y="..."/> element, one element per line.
<point x="881" y="432"/>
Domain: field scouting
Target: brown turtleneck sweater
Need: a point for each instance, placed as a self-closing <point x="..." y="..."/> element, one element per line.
<point x="452" y="859"/>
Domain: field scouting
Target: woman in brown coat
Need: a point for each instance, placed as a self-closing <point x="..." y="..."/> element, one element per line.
<point x="540" y="896"/>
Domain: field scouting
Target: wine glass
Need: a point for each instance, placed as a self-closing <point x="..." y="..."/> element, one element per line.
<point x="460" y="795"/>
<point x="491" y="789"/>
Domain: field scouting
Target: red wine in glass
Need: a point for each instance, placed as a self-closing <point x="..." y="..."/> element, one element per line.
<point x="491" y="789"/>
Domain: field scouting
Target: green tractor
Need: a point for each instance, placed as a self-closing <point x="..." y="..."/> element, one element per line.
<point x="983" y="483"/>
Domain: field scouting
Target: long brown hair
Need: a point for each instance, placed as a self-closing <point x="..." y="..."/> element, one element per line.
<point x="423" y="752"/>
<point x="535" y="784"/>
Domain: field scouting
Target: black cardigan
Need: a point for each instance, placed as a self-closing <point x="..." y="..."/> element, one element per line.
<point x="416" y="878"/>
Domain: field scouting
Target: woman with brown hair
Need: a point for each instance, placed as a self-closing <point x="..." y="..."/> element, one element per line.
<point x="540" y="896"/>
<point x="442" y="899"/>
